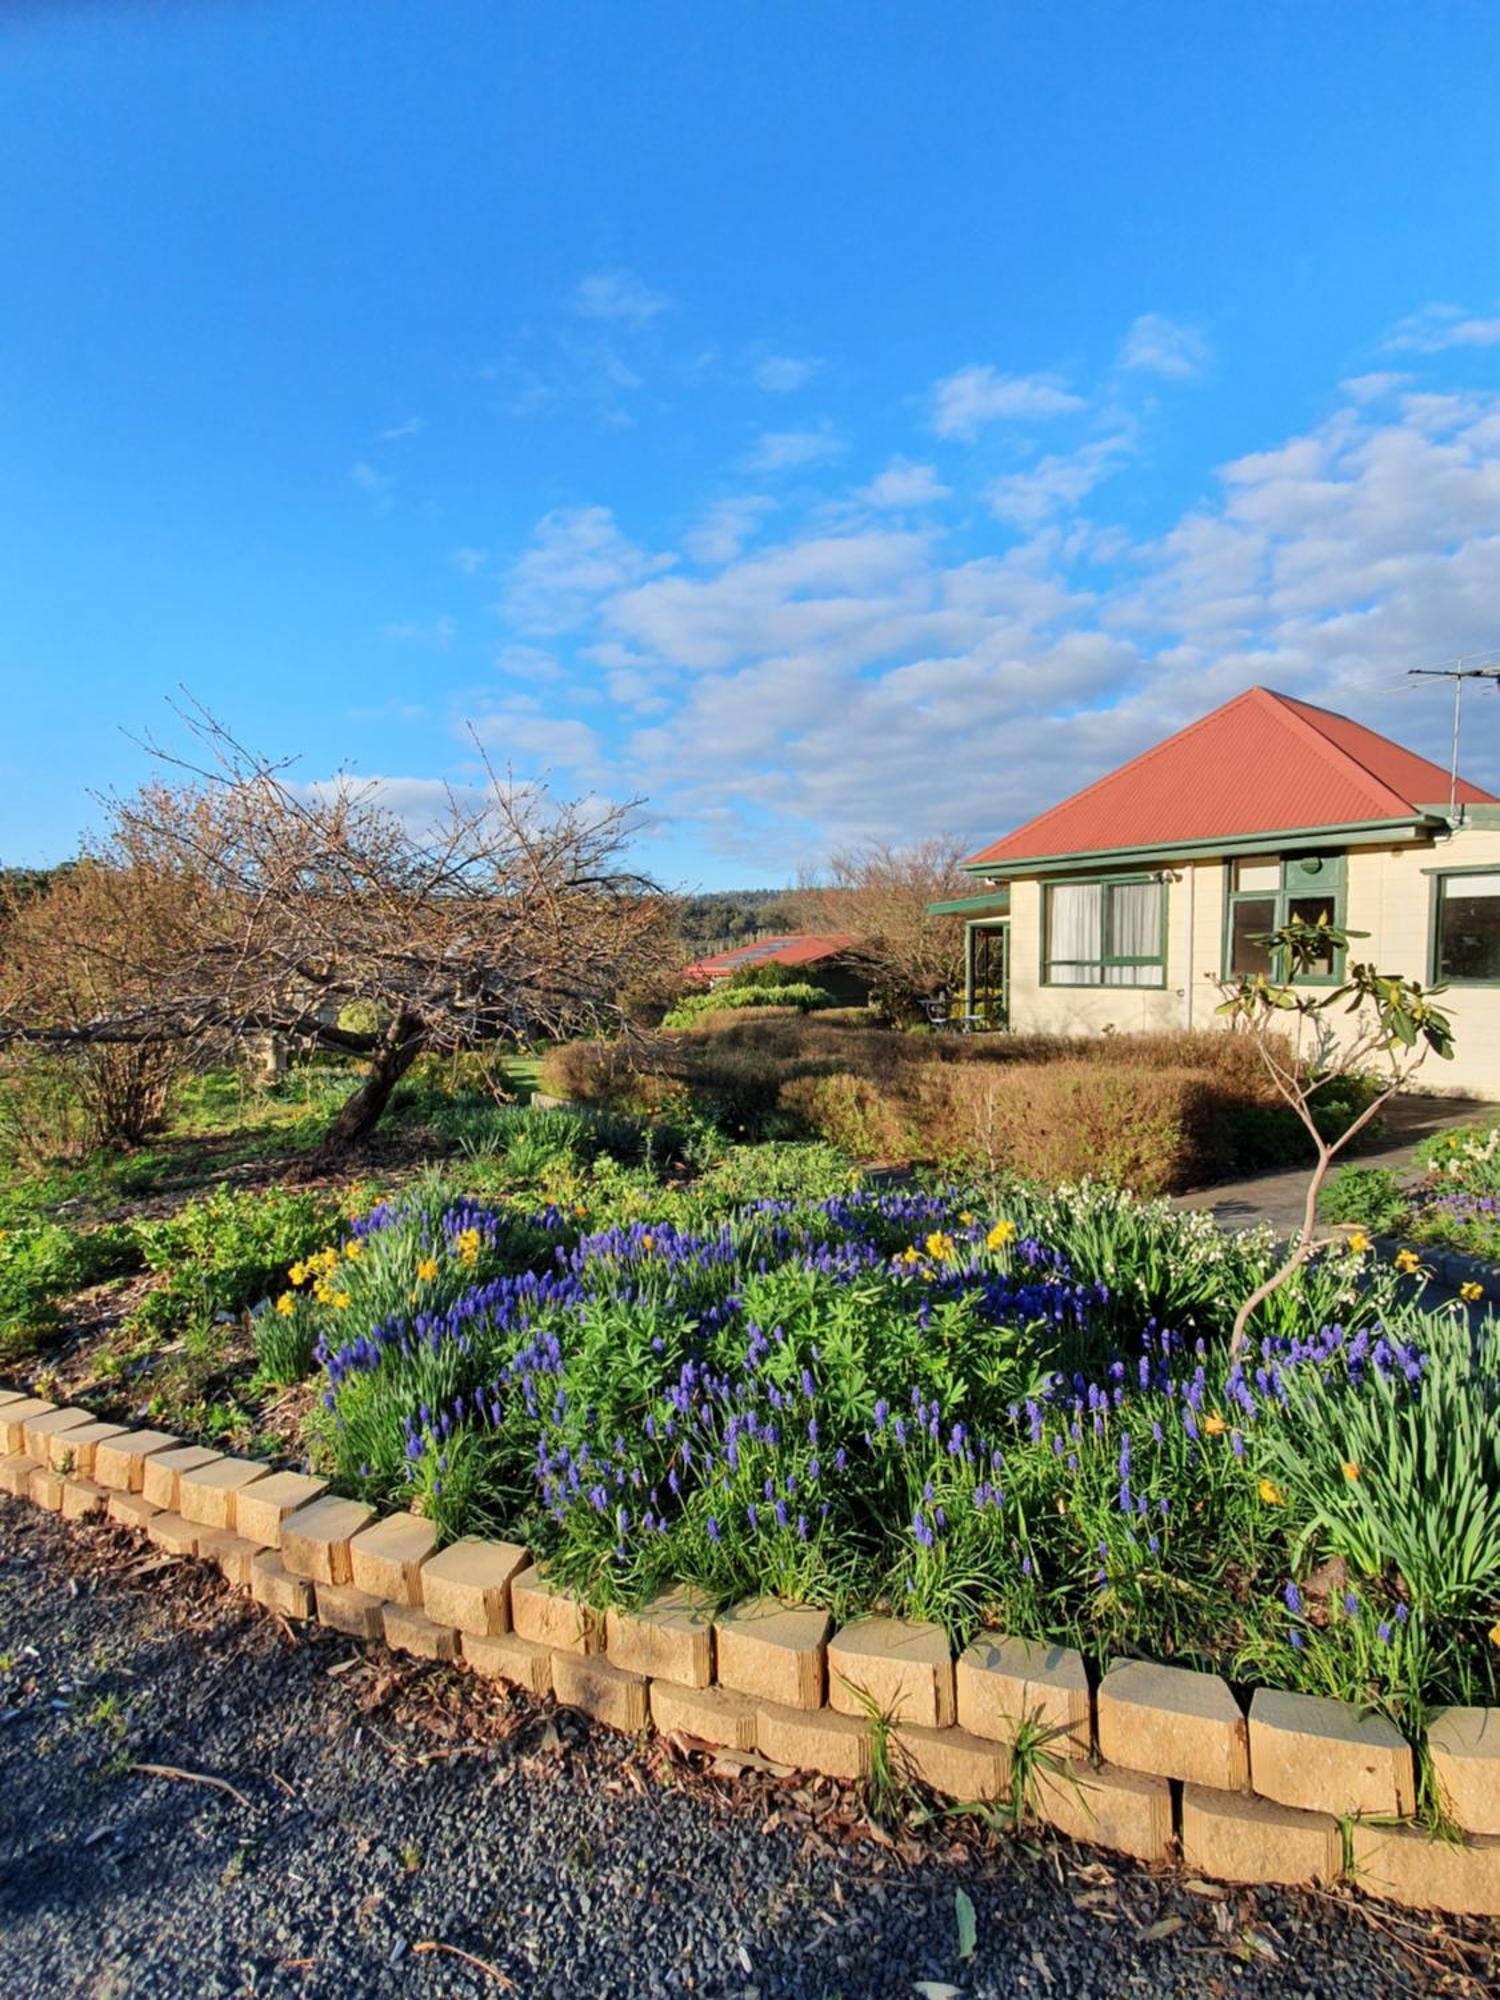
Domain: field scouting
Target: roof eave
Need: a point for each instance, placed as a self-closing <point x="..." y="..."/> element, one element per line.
<point x="1357" y="833"/>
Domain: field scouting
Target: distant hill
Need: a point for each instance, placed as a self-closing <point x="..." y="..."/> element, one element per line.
<point x="734" y="916"/>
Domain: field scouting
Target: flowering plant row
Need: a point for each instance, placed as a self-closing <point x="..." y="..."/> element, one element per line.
<point x="1017" y="1411"/>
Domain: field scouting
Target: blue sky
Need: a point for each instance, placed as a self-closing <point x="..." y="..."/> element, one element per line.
<point x="831" y="423"/>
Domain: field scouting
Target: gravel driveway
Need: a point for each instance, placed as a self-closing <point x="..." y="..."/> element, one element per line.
<point x="403" y="1830"/>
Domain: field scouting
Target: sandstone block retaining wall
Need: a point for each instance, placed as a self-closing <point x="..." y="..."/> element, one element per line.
<point x="1157" y="1761"/>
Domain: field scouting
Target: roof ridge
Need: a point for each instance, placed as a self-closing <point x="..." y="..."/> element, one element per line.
<point x="1295" y="711"/>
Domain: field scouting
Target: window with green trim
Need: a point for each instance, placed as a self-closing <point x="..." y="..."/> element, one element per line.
<point x="1110" y="932"/>
<point x="1466" y="928"/>
<point x="1269" y="892"/>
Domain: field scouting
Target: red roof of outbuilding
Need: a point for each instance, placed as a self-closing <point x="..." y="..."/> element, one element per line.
<point x="789" y="948"/>
<point x="1263" y="763"/>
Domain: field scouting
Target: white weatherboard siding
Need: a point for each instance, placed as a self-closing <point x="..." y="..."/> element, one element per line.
<point x="1390" y="895"/>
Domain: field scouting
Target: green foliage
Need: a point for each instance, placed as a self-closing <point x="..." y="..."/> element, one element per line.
<point x="221" y="1253"/>
<point x="42" y="1263"/>
<point x="1369" y="1196"/>
<point x="801" y="995"/>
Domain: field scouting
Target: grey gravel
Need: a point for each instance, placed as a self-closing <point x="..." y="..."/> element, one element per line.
<point x="391" y="1807"/>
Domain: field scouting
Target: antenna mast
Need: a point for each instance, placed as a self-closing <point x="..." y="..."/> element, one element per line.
<point x="1459" y="671"/>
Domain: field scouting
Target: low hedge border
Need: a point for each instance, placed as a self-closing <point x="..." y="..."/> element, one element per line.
<point x="1156" y="1761"/>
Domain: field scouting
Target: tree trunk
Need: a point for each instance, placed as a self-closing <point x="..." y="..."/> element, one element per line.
<point x="360" y="1113"/>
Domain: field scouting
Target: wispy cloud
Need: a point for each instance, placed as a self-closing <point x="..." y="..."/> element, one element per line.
<point x="963" y="403"/>
<point x="1057" y="482"/>
<point x="469" y="561"/>
<point x="1156" y="345"/>
<point x="439" y="632"/>
<point x="378" y="485"/>
<point x="782" y="451"/>
<point x="726" y="527"/>
<point x="577" y="556"/>
<point x="619" y="295"/>
<point x="410" y="429"/>
<point x="1437" y="327"/>
<point x="780" y="374"/>
<point x="903" y="484"/>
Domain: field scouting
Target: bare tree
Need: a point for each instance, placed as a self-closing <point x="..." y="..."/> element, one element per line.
<point x="880" y="894"/>
<point x="510" y="917"/>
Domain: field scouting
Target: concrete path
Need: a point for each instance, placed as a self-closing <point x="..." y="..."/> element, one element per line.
<point x="1278" y="1197"/>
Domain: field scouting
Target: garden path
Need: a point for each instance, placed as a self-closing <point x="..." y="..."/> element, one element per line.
<point x="1278" y="1198"/>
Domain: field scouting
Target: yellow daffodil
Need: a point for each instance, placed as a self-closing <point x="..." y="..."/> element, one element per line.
<point x="1215" y="1425"/>
<point x="1359" y="1243"/>
<point x="939" y="1245"/>
<point x="1003" y="1232"/>
<point x="1270" y="1493"/>
<point x="353" y="1248"/>
<point x="298" y="1274"/>
<point x="1408" y="1261"/>
<point x="1351" y="1471"/>
<point x="966" y="1217"/>
<point x="343" y="1301"/>
<point x="427" y="1268"/>
<point x="286" y="1305"/>
<point x="648" y="1242"/>
<point x="1495" y="1635"/>
<point x="1470" y="1292"/>
<point x="466" y="1246"/>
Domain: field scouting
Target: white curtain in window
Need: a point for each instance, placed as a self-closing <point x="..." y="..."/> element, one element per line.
<point x="1077" y="933"/>
<point x="1135" y="931"/>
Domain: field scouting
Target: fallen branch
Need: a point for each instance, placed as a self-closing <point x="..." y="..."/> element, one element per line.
<point x="480" y="1964"/>
<point x="191" y="1778"/>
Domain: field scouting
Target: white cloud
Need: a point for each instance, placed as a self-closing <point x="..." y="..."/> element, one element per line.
<point x="903" y="484"/>
<point x="780" y="374"/>
<point x="618" y="295"/>
<point x="862" y="681"/>
<point x="781" y="451"/>
<point x="413" y="427"/>
<point x="1058" y="482"/>
<point x="965" y="402"/>
<point x="577" y="556"/>
<point x="1156" y="345"/>
<point x="1437" y="327"/>
<point x="726" y="527"/>
<point x="469" y="561"/>
<point x="439" y="632"/>
<point x="377" y="485"/>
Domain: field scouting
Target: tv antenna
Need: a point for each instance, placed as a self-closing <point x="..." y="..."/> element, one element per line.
<point x="1470" y="667"/>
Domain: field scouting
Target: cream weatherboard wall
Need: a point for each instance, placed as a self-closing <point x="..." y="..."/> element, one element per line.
<point x="1390" y="894"/>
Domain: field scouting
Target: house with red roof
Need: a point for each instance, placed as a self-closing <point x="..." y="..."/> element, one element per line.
<point x="825" y="956"/>
<point x="1118" y="908"/>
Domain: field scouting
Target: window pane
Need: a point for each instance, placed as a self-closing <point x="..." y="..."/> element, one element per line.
<point x="1135" y="920"/>
<point x="1312" y="911"/>
<point x="1251" y="917"/>
<point x="1264" y="875"/>
<point x="1469" y="946"/>
<point x="1075" y="933"/>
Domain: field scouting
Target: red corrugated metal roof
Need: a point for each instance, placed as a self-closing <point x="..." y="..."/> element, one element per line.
<point x="1263" y="763"/>
<point x="788" y="948"/>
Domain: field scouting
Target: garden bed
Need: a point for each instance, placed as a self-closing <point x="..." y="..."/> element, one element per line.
<point x="1448" y="1205"/>
<point x="1018" y="1415"/>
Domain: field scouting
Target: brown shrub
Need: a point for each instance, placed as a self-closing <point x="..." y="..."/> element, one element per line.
<point x="854" y="1113"/>
<point x="1154" y="1112"/>
<point x="1152" y="1129"/>
<point x="607" y="1075"/>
